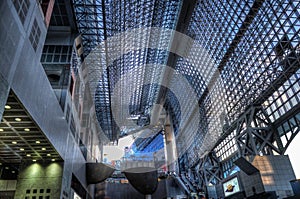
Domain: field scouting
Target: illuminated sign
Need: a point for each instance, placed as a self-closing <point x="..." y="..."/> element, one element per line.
<point x="231" y="187"/>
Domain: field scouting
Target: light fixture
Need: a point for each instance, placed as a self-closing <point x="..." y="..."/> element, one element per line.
<point x="1" y="130"/>
<point x="14" y="142"/>
<point x="18" y="119"/>
<point x="53" y="160"/>
<point x="38" y="142"/>
<point x="48" y="154"/>
<point x="7" y="107"/>
<point x="21" y="149"/>
<point x="33" y="160"/>
<point x="28" y="155"/>
<point x="44" y="149"/>
<point x="13" y="171"/>
<point x="6" y="168"/>
<point x="27" y="129"/>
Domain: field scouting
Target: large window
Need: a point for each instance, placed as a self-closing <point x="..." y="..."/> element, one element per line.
<point x="56" y="54"/>
<point x="35" y="35"/>
<point x="22" y="7"/>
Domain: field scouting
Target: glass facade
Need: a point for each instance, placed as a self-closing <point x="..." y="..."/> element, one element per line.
<point x="255" y="46"/>
<point x="249" y="56"/>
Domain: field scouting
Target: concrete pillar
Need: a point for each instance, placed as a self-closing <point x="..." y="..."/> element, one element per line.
<point x="170" y="146"/>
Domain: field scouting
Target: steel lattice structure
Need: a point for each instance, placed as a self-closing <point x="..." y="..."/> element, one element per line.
<point x="253" y="48"/>
<point x="99" y="20"/>
<point x="260" y="68"/>
<point x="257" y="59"/>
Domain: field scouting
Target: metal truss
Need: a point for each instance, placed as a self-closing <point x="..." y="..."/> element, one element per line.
<point x="100" y="19"/>
<point x="254" y="46"/>
<point x="238" y="15"/>
<point x="209" y="171"/>
<point x="90" y="22"/>
<point x="256" y="135"/>
<point x="259" y="67"/>
<point x="288" y="126"/>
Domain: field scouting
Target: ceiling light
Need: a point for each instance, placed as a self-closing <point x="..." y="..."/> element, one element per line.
<point x="18" y="119"/>
<point x="7" y="107"/>
<point x="28" y="155"/>
<point x="38" y="142"/>
<point x="27" y="129"/>
<point x="6" y="167"/>
<point x="48" y="154"/>
<point x="44" y="149"/>
<point x="14" y="142"/>
<point x="33" y="160"/>
<point x="13" y="171"/>
<point x="21" y="149"/>
<point x="53" y="160"/>
<point x="1" y="130"/>
<point x="0" y="163"/>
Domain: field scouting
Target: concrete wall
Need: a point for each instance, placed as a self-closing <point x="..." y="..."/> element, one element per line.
<point x="40" y="180"/>
<point x="4" y="91"/>
<point x="251" y="183"/>
<point x="21" y="70"/>
<point x="7" y="185"/>
<point x="276" y="173"/>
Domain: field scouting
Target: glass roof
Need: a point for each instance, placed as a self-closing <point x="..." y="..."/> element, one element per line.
<point x="229" y="56"/>
<point x="99" y="20"/>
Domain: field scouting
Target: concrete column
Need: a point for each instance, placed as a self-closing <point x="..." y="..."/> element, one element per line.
<point x="170" y="147"/>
